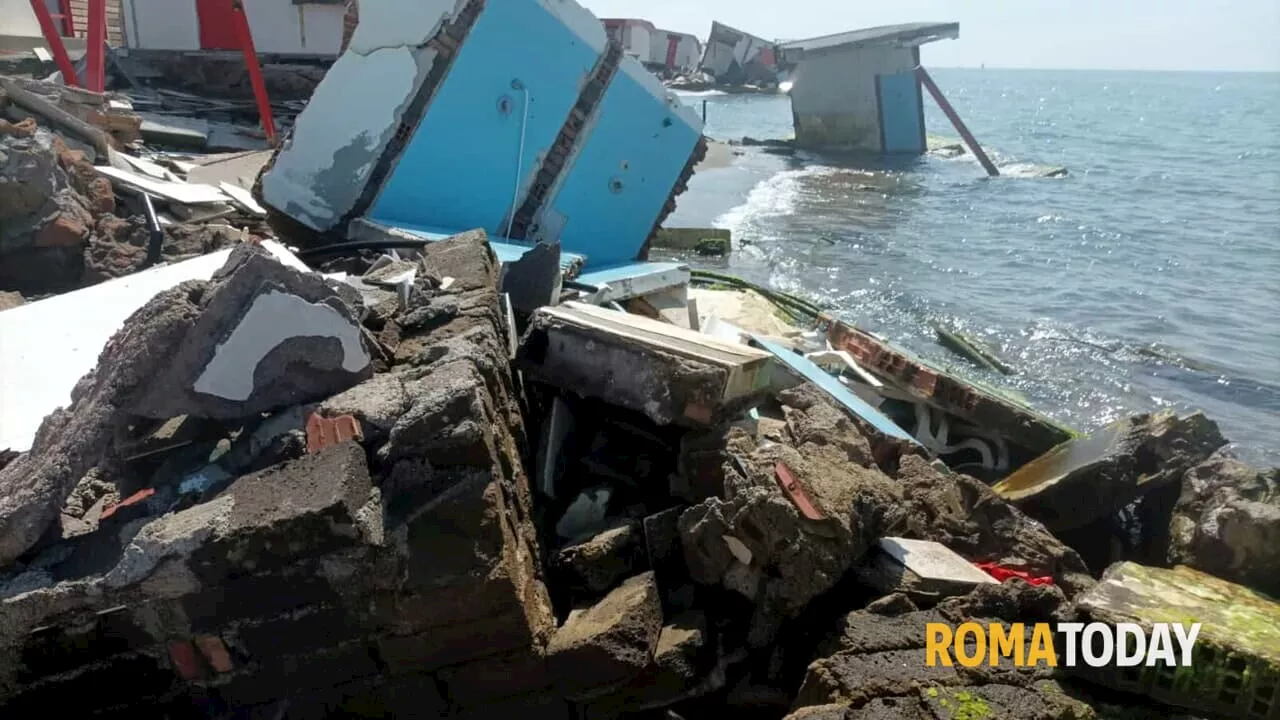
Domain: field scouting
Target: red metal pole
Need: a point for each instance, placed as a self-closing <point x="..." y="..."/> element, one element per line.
<point x="245" y="36"/>
<point x="954" y="117"/>
<point x="51" y="36"/>
<point x="96" y="46"/>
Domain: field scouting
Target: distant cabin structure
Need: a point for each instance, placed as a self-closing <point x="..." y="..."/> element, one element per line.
<point x="859" y="91"/>
<point x="312" y="29"/>
<point x="676" y="51"/>
<point x="734" y="57"/>
<point x="632" y="34"/>
<point x="20" y="31"/>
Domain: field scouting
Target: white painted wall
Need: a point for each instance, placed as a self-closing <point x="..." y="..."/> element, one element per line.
<point x="637" y="41"/>
<point x="834" y="95"/>
<point x="161" y="24"/>
<point x="688" y="52"/>
<point x="278" y="26"/>
<point x="17" y="20"/>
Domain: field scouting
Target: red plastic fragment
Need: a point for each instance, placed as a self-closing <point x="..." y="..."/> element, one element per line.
<point x="796" y="493"/>
<point x="323" y="432"/>
<point x="133" y="499"/>
<point x="1002" y="573"/>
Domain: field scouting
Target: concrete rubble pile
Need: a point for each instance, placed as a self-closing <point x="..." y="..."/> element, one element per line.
<point x="453" y="476"/>
<point x="71" y="197"/>
<point x="285" y="492"/>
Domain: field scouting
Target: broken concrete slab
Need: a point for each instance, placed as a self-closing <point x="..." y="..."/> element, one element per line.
<point x="535" y="280"/>
<point x="1086" y="479"/>
<point x="1235" y="657"/>
<point x="596" y="565"/>
<point x="799" y="558"/>
<point x="602" y="647"/>
<point x="965" y="515"/>
<point x="378" y="403"/>
<point x="153" y="368"/>
<point x="672" y="375"/>
<point x="262" y="522"/>
<point x="267" y="337"/>
<point x="684" y="665"/>
<point x="1045" y="700"/>
<point x="857" y="679"/>
<point x="1227" y="523"/>
<point x="72" y="330"/>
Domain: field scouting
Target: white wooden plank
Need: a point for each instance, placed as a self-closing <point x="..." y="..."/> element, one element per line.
<point x="185" y="193"/>
<point x="243" y="198"/>
<point x="148" y="168"/>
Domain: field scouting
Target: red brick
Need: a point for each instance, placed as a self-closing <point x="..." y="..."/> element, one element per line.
<point x="323" y="432"/>
<point x="65" y="230"/>
<point x="215" y="652"/>
<point x="185" y="660"/>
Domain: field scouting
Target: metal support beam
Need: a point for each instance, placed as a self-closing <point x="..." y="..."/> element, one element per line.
<point x="245" y="37"/>
<point x="954" y="117"/>
<point x="54" y="40"/>
<point x="95" y="48"/>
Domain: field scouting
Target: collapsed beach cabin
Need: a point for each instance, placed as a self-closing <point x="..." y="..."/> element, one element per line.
<point x="434" y="121"/>
<point x="734" y="57"/>
<point x="859" y="90"/>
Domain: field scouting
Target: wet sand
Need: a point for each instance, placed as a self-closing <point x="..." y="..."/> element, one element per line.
<point x="719" y="155"/>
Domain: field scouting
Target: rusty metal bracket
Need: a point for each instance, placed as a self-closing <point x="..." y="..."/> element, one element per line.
<point x="796" y="493"/>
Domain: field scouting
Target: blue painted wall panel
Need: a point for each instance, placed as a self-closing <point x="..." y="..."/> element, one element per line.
<point x="621" y="178"/>
<point x="459" y="168"/>
<point x="900" y="113"/>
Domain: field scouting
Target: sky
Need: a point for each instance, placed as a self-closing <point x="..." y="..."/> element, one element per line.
<point x="1241" y="35"/>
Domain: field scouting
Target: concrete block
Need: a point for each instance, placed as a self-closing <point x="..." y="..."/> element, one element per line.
<point x="602" y="647"/>
<point x="302" y="674"/>
<point x="58" y="649"/>
<point x="261" y="595"/>
<point x="672" y="375"/>
<point x="461" y="642"/>
<point x="80" y="692"/>
<point x="450" y="420"/>
<point x="411" y="696"/>
<point x="858" y="679"/>
<point x="1085" y="479"/>
<point x="596" y="565"/>
<point x="304" y="508"/>
<point x="683" y="660"/>
<point x="299" y="632"/>
<point x="476" y="685"/>
<point x="542" y="706"/>
<point x="1235" y="655"/>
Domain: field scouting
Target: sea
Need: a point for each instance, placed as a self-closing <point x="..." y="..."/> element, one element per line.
<point x="1145" y="279"/>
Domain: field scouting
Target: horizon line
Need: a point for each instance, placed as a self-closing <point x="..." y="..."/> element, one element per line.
<point x="1106" y="69"/>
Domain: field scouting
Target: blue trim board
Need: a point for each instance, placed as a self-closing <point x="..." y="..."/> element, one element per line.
<point x="807" y="369"/>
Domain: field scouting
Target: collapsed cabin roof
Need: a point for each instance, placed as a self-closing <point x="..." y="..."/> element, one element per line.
<point x="906" y="34"/>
